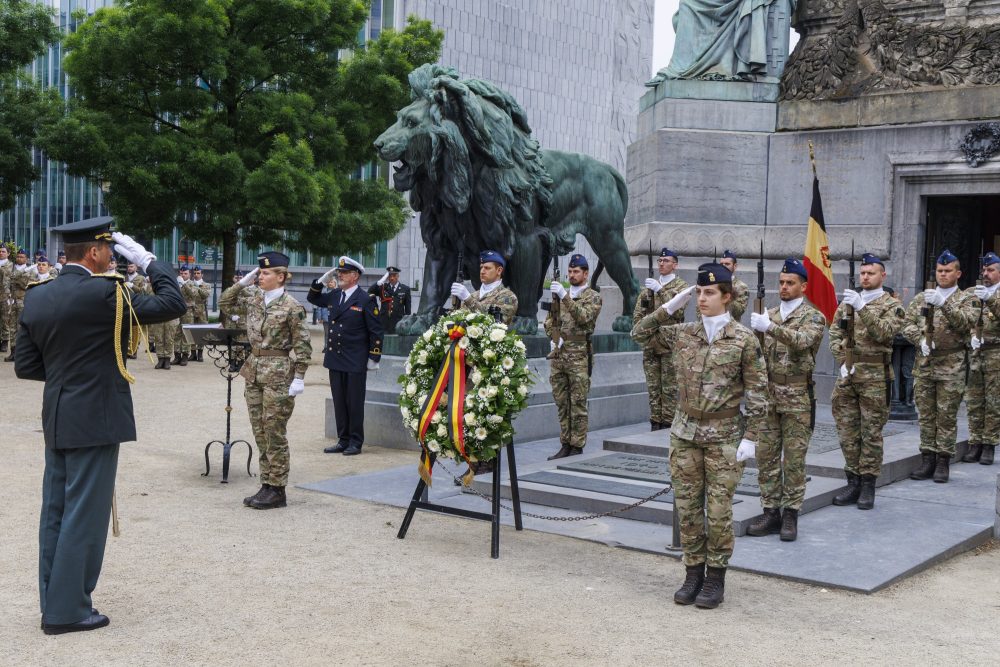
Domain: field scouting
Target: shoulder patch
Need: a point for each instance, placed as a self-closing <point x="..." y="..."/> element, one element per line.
<point x="110" y="275"/>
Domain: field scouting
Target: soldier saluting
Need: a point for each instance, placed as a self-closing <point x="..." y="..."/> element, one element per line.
<point x="983" y="392"/>
<point x="723" y="366"/>
<point x="793" y="332"/>
<point x="393" y="299"/>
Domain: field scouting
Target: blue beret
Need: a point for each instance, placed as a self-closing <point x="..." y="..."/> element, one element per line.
<point x="869" y="258"/>
<point x="713" y="274"/>
<point x="271" y="259"/>
<point x="61" y="253"/>
<point x="667" y="252"/>
<point x="578" y="261"/>
<point x="795" y="266"/>
<point x="43" y="258"/>
<point x="196" y="267"/>
<point x="492" y="256"/>
<point x="946" y="257"/>
<point x="990" y="258"/>
<point x="184" y="267"/>
<point x="729" y="254"/>
<point x="21" y="251"/>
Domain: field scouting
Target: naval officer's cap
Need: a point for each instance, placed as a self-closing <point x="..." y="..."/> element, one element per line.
<point x="713" y="274"/>
<point x="82" y="231"/>
<point x="272" y="259"/>
<point x="345" y="263"/>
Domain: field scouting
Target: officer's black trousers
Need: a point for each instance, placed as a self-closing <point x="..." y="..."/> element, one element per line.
<point x="348" y="391"/>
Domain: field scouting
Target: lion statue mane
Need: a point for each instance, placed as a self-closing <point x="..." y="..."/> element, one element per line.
<point x="480" y="181"/>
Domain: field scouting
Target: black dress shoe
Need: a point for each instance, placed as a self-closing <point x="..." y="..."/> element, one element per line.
<point x="94" y="622"/>
<point x="353" y="450"/>
<point x="93" y="612"/>
<point x="335" y="449"/>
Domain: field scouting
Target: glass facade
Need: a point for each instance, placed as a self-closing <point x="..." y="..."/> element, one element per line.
<point x="57" y="198"/>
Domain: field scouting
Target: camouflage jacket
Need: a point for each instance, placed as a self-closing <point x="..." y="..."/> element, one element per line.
<point x="501" y="297"/>
<point x="19" y="281"/>
<point x="279" y="326"/>
<point x="201" y="294"/>
<point x="577" y="318"/>
<point x="989" y="323"/>
<point x="666" y="293"/>
<point x="953" y="324"/>
<point x="716" y="377"/>
<point x="195" y="294"/>
<point x="790" y="348"/>
<point x="875" y="326"/>
<point x="236" y="314"/>
<point x="139" y="284"/>
<point x="5" y="281"/>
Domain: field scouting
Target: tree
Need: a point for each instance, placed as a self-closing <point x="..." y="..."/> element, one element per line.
<point x="26" y="30"/>
<point x="239" y="119"/>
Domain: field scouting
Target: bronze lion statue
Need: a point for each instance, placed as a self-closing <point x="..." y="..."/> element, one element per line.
<point x="480" y="181"/>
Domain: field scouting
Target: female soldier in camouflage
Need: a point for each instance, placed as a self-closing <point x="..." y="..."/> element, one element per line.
<point x="719" y="363"/>
<point x="274" y="370"/>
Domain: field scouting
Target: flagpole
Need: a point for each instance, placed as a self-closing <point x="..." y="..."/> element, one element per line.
<point x="812" y="158"/>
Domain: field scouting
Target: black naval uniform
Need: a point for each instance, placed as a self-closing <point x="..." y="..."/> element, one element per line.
<point x="355" y="336"/>
<point x="66" y="339"/>
<point x="394" y="303"/>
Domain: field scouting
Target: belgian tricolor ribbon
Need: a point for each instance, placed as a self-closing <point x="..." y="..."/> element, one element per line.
<point x="450" y="375"/>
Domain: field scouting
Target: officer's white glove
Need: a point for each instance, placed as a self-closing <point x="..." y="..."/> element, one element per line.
<point x="325" y="278"/>
<point x="746" y="450"/>
<point x="844" y="372"/>
<point x="975" y="342"/>
<point x="653" y="285"/>
<point x="925" y="349"/>
<point x="553" y="346"/>
<point x="372" y="365"/>
<point x="853" y="299"/>
<point x="248" y="279"/>
<point x="760" y="322"/>
<point x="180" y="281"/>
<point x="982" y="292"/>
<point x="459" y="290"/>
<point x="679" y="300"/>
<point x="558" y="291"/>
<point x="933" y="298"/>
<point x="132" y="250"/>
<point x="385" y="277"/>
<point x="297" y="387"/>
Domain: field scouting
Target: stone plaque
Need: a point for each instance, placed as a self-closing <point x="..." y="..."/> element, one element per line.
<point x="596" y="485"/>
<point x="647" y="469"/>
<point x="825" y="438"/>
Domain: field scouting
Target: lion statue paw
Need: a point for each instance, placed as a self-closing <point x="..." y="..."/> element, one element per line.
<point x="622" y="323"/>
<point x="415" y="324"/>
<point x="526" y="326"/>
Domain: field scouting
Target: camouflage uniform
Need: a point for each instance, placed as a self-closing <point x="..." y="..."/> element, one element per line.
<point x="708" y="426"/>
<point x="859" y="401"/>
<point x="236" y="314"/>
<point x="659" y="367"/>
<point x="18" y="284"/>
<point x="738" y="304"/>
<point x="501" y="297"/>
<point x="280" y="351"/>
<point x="790" y="348"/>
<point x="190" y="292"/>
<point x="200" y="294"/>
<point x="5" y="305"/>
<point x="939" y="380"/>
<point x="569" y="372"/>
<point x="139" y="284"/>
<point x="982" y="395"/>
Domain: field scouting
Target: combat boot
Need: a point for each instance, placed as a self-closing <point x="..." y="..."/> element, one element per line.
<point x="562" y="453"/>
<point x="3" y="346"/>
<point x="152" y="347"/>
<point x="928" y="461"/>
<point x="248" y="501"/>
<point x="849" y="496"/>
<point x="974" y="453"/>
<point x="166" y="364"/>
<point x="10" y="357"/>
<point x="273" y="497"/>
<point x="789" y="525"/>
<point x="177" y="358"/>
<point x="575" y="451"/>
<point x="987" y="458"/>
<point x="184" y="359"/>
<point x="713" y="590"/>
<point x="654" y="426"/>
<point x="768" y="523"/>
<point x="693" y="581"/>
<point x="866" y="499"/>
<point x="942" y="469"/>
<point x="198" y="355"/>
<point x="159" y="364"/>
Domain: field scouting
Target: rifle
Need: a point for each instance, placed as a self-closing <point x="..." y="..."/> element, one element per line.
<point x="456" y="303"/>
<point x="758" y="303"/>
<point x="554" y="309"/>
<point x="647" y="300"/>
<point x="928" y="310"/>
<point x="847" y="322"/>
<point x="982" y="304"/>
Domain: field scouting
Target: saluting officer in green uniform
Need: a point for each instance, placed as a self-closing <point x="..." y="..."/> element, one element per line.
<point x="86" y="406"/>
<point x="492" y="293"/>
<point x="199" y="292"/>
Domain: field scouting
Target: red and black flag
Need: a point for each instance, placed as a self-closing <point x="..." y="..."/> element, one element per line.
<point x="820" y="289"/>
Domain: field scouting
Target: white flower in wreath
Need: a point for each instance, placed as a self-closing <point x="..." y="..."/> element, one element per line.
<point x="411" y="388"/>
<point x="519" y="344"/>
<point x="464" y="344"/>
<point x="422" y="399"/>
<point x="422" y="357"/>
<point x="469" y="401"/>
<point x="507" y="363"/>
<point x="494" y="419"/>
<point x="414" y="424"/>
<point x="434" y="446"/>
<point x="405" y="411"/>
<point x="477" y="377"/>
<point x="488" y="354"/>
<point x="436" y="419"/>
<point x="522" y="390"/>
<point x="491" y="391"/>
<point x="481" y="433"/>
<point x="505" y="381"/>
<point x="442" y="430"/>
<point x="428" y="334"/>
<point x="470" y="418"/>
<point x="482" y="393"/>
<point x="474" y="331"/>
<point x="497" y="335"/>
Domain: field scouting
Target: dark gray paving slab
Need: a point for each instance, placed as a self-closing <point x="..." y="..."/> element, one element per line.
<point x="597" y="484"/>
<point x="644" y="468"/>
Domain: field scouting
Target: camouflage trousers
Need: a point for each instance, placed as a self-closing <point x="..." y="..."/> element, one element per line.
<point x="937" y="406"/>
<point x="982" y="397"/>
<point x="661" y="384"/>
<point x="270" y="407"/>
<point x="860" y="412"/>
<point x="200" y="317"/>
<point x="162" y="337"/>
<point x="570" y="387"/>
<point x="5" y="333"/>
<point x="180" y="344"/>
<point x="701" y="471"/>
<point x="11" y="317"/>
<point x="781" y="459"/>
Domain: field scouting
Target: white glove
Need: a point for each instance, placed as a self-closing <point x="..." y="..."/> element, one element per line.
<point x="843" y="371"/>
<point x="975" y="342"/>
<point x="982" y="292"/>
<point x="297" y="387"/>
<point x="679" y="300"/>
<point x="553" y="346"/>
<point x="132" y="250"/>
<point x="180" y="281"/>
<point x="248" y="279"/>
<point x="760" y="322"/>
<point x="325" y="278"/>
<point x="372" y="365"/>
<point x="746" y="450"/>
<point x="558" y="291"/>
<point x="385" y="277"/>
<point x="653" y="285"/>
<point x="459" y="290"/>
<point x="853" y="299"/>
<point x="933" y="298"/>
<point x="925" y="349"/>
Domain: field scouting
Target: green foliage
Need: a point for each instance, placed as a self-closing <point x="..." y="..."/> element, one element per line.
<point x="26" y="30"/>
<point x="243" y="113"/>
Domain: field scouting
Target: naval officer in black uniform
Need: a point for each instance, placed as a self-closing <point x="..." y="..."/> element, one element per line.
<point x="67" y="340"/>
<point x="353" y="347"/>
<point x="393" y="299"/>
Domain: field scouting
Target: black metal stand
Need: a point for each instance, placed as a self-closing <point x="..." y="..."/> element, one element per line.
<point x="419" y="502"/>
<point x="228" y="359"/>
